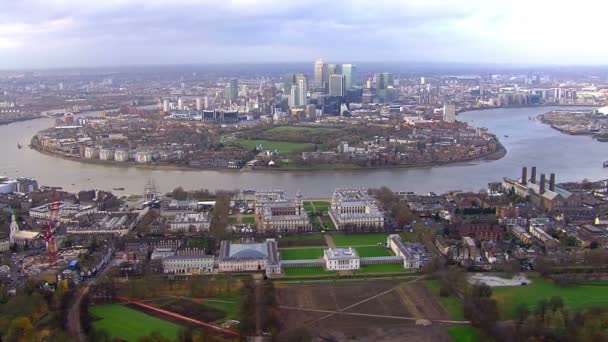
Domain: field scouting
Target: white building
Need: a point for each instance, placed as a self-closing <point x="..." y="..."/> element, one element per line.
<point x="190" y="222"/>
<point x="354" y="208"/>
<point x="91" y="152"/>
<point x="66" y="210"/>
<point x="121" y="155"/>
<point x="277" y="214"/>
<point x="449" y="113"/>
<point x="188" y="264"/>
<point x="106" y="154"/>
<point x="341" y="259"/>
<point x="144" y="157"/>
<point x="413" y="254"/>
<point x="249" y="257"/>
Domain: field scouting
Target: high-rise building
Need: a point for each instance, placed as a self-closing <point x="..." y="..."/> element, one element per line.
<point x="449" y="113"/>
<point x="384" y="80"/>
<point x="296" y="86"/>
<point x="234" y="89"/>
<point x="348" y="72"/>
<point x="336" y="85"/>
<point x="180" y="104"/>
<point x="206" y="102"/>
<point x="199" y="105"/>
<point x="166" y="105"/>
<point x="318" y="73"/>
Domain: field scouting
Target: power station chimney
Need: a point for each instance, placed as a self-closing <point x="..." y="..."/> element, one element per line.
<point x="552" y="182"/>
<point x="533" y="175"/>
<point x="542" y="183"/>
<point x="524" y="176"/>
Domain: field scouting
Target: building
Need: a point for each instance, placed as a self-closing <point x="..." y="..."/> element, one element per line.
<point x="319" y="68"/>
<point x="413" y="254"/>
<point x="199" y="104"/>
<point x="26" y="185"/>
<point x="104" y="223"/>
<point x="106" y="154"/>
<point x="277" y="214"/>
<point x="121" y="155"/>
<point x="234" y="89"/>
<point x="482" y="231"/>
<point x="187" y="222"/>
<point x="341" y="259"/>
<point x="166" y="105"/>
<point x="384" y="80"/>
<point x="521" y="234"/>
<point x="336" y="85"/>
<point x="348" y="72"/>
<point x="180" y="103"/>
<point x="66" y="210"/>
<point x="249" y="257"/>
<point x="449" y="113"/>
<point x="354" y="209"/>
<point x="23" y="238"/>
<point x="91" y="152"/>
<point x="542" y="193"/>
<point x="188" y="263"/>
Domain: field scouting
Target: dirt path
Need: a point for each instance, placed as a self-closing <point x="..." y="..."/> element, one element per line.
<point x="329" y="240"/>
<point x="74" y="326"/>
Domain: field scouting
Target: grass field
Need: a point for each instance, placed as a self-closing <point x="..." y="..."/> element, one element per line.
<point x="229" y="304"/>
<point x="372" y="251"/>
<point x="451" y="303"/>
<point x="464" y="334"/>
<point x="387" y="268"/>
<point x="248" y="219"/>
<point x="301" y="253"/>
<point x="346" y="240"/>
<point x="576" y="297"/>
<point x="281" y="129"/>
<point x="306" y="271"/>
<point x="307" y="237"/>
<point x="129" y="324"/>
<point x="281" y="146"/>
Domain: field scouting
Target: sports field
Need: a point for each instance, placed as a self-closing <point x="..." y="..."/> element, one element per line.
<point x="372" y="251"/>
<point x="129" y="324"/>
<point x="298" y="253"/>
<point x="577" y="297"/>
<point x="281" y="146"/>
<point x="347" y="240"/>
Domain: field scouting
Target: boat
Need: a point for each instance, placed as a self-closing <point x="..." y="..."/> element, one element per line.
<point x="118" y="189"/>
<point x="605" y="163"/>
<point x="506" y="136"/>
<point x="19" y="146"/>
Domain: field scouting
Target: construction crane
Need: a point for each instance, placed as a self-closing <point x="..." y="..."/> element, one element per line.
<point x="49" y="231"/>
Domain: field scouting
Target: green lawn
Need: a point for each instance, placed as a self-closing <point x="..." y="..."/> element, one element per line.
<point x="281" y="129"/>
<point x="228" y="303"/>
<point x="321" y="205"/>
<point x="346" y="240"/>
<point x="327" y="222"/>
<point x="307" y="237"/>
<point x="281" y="146"/>
<point x="372" y="251"/>
<point x="129" y="324"/>
<point x="387" y="268"/>
<point x="451" y="303"/>
<point x="301" y="253"/>
<point x="248" y="219"/>
<point x="576" y="297"/>
<point x="464" y="333"/>
<point x="231" y="219"/>
<point x="306" y="271"/>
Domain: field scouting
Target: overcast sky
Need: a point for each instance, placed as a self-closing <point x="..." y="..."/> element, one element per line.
<point x="65" y="33"/>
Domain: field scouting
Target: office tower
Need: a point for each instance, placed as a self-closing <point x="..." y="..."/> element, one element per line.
<point x="199" y="105"/>
<point x="166" y="105"/>
<point x="384" y="80"/>
<point x="347" y="71"/>
<point x="301" y="86"/>
<point x="206" y="102"/>
<point x="318" y="73"/>
<point x="336" y="85"/>
<point x="449" y="113"/>
<point x="368" y="84"/>
<point x="422" y="80"/>
<point x="180" y="104"/>
<point x="234" y="89"/>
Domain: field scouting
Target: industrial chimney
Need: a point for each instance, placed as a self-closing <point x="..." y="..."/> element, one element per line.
<point x="542" y="183"/>
<point x="533" y="175"/>
<point x="552" y="182"/>
<point x="524" y="176"/>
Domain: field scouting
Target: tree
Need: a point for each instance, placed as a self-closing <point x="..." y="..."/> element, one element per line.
<point x="179" y="194"/>
<point x="522" y="312"/>
<point x="556" y="303"/>
<point x="594" y="245"/>
<point x="481" y="291"/>
<point x="21" y="329"/>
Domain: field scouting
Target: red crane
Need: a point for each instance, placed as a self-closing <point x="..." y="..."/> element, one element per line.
<point x="49" y="231"/>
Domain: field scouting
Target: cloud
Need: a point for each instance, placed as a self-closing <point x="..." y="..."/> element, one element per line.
<point x="39" y="33"/>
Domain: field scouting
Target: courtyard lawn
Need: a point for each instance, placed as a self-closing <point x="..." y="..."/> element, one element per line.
<point x="321" y="205"/>
<point x="464" y="333"/>
<point x="281" y="146"/>
<point x="327" y="222"/>
<point x="576" y="297"/>
<point x="372" y="251"/>
<point x="370" y="239"/>
<point x="385" y="268"/>
<point x="298" y="253"/>
<point x="306" y="271"/>
<point x="129" y="324"/>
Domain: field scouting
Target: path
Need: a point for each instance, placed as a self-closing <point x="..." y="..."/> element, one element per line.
<point x="329" y="240"/>
<point x="74" y="326"/>
<point x="332" y="312"/>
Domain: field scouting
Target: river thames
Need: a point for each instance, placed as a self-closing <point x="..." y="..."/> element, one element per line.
<point x="529" y="142"/>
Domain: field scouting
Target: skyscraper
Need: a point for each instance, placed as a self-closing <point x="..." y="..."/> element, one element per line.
<point x="297" y="86"/>
<point x="166" y="105"/>
<point x="199" y="105"/>
<point x="449" y="113"/>
<point x="318" y="72"/>
<point x="384" y="80"/>
<point x="234" y="89"/>
<point x="180" y="104"/>
<point x="336" y="85"/>
<point x="347" y="71"/>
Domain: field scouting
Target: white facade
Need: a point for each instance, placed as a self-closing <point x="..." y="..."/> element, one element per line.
<point x="91" y="152"/>
<point x="106" y="154"/>
<point x="190" y="221"/>
<point x="354" y="208"/>
<point x="121" y="155"/>
<point x="411" y="253"/>
<point x="341" y="259"/>
<point x="249" y="257"/>
<point x="144" y="157"/>
<point x="188" y="264"/>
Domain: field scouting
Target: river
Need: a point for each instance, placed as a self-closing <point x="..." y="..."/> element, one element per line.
<point x="529" y="142"/>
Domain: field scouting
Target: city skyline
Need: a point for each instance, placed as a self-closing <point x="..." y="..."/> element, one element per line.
<point x="70" y="34"/>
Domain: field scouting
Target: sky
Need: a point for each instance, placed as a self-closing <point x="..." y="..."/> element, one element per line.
<point x="90" y="33"/>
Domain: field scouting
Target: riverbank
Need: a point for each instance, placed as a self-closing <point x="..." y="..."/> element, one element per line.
<point x="494" y="155"/>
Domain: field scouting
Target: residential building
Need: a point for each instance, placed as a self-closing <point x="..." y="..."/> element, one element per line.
<point x="449" y="113"/>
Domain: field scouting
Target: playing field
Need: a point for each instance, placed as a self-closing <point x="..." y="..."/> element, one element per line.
<point x="281" y="146"/>
<point x="372" y="251"/>
<point x="306" y="271"/>
<point x="129" y="324"/>
<point x="301" y="253"/>
<point x="577" y="297"/>
<point x="387" y="268"/>
<point x="346" y="240"/>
